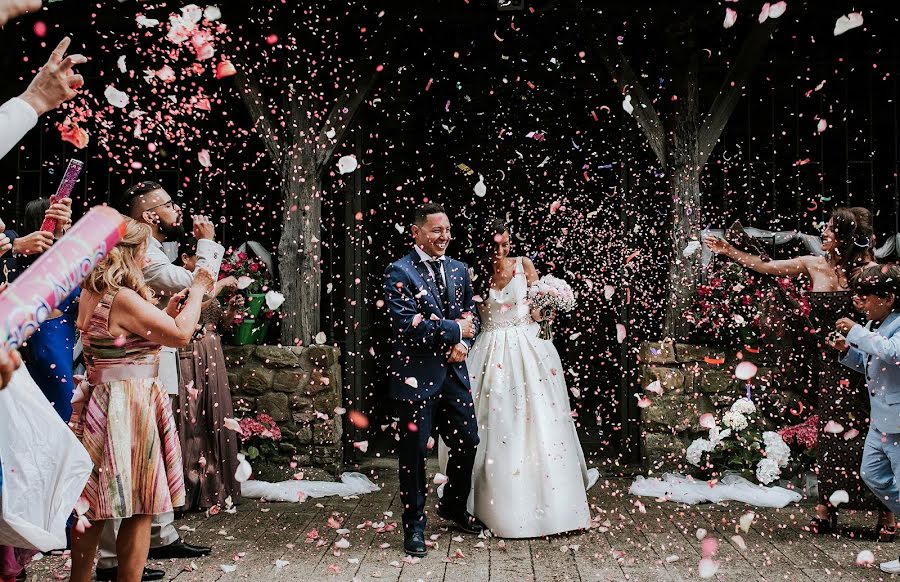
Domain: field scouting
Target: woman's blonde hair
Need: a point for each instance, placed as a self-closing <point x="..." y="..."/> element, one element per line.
<point x="120" y="268"/>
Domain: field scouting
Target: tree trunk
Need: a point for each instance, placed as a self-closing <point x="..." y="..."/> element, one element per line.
<point x="299" y="249"/>
<point x="684" y="186"/>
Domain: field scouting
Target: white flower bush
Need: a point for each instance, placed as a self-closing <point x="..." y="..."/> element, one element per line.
<point x="741" y="446"/>
<point x="734" y="420"/>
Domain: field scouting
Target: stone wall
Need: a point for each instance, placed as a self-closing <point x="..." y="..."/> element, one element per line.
<point x="292" y="385"/>
<point x="693" y="382"/>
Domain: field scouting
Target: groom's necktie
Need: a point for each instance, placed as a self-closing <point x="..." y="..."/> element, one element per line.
<point x="441" y="284"/>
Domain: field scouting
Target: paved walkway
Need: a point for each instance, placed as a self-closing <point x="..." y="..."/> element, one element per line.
<point x="633" y="539"/>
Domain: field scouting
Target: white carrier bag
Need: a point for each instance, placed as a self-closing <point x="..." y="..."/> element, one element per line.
<point x="44" y="468"/>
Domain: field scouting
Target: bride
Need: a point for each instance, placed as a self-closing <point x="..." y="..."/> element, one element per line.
<point x="530" y="477"/>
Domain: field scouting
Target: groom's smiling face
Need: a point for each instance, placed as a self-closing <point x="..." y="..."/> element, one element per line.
<point x="433" y="235"/>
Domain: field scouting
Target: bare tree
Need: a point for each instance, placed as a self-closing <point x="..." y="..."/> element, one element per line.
<point x="301" y="129"/>
<point x="683" y="142"/>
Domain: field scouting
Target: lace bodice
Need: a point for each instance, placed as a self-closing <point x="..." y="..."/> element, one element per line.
<point x="508" y="307"/>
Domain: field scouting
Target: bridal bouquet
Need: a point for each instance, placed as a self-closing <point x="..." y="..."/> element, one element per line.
<point x="741" y="446"/>
<point x="550" y="294"/>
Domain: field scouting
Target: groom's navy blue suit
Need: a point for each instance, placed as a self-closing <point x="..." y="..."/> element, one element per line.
<point x="433" y="395"/>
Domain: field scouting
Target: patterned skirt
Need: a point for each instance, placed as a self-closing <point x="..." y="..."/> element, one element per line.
<point x="129" y="431"/>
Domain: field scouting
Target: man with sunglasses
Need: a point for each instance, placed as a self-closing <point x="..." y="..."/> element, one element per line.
<point x="148" y="202"/>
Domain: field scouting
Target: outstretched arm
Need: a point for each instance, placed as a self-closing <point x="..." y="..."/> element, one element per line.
<point x="787" y="268"/>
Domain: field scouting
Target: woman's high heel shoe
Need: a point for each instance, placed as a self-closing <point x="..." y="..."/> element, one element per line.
<point x="822" y="526"/>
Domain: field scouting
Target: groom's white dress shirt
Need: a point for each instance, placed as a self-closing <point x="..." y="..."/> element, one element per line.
<point x="441" y="260"/>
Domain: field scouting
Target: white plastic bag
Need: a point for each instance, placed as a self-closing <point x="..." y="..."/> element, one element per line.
<point x="44" y="468"/>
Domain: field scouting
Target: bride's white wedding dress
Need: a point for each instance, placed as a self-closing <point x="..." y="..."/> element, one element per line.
<point x="529" y="478"/>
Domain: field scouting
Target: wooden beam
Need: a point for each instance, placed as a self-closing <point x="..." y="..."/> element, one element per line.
<point x="255" y="103"/>
<point x="628" y="83"/>
<point x="732" y="89"/>
<point x="344" y="112"/>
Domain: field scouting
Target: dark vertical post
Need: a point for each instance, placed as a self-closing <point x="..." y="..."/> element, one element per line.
<point x="354" y="305"/>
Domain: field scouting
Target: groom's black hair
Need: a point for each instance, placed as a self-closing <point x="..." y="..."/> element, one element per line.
<point x="422" y="211"/>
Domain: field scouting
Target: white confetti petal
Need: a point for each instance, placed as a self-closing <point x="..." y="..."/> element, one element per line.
<point x="838" y="497"/>
<point x="730" y="18"/>
<point x="347" y="164"/>
<point x="848" y="22"/>
<point x="115" y="97"/>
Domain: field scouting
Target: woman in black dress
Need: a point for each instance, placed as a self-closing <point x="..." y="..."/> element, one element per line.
<point x="847" y="241"/>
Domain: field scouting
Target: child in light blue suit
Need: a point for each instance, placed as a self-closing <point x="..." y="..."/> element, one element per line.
<point x="874" y="349"/>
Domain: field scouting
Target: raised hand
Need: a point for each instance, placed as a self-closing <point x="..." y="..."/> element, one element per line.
<point x="222" y="284"/>
<point x="174" y="306"/>
<point x="203" y="280"/>
<point x="717" y="245"/>
<point x="56" y="82"/>
<point x="5" y="245"/>
<point x="33" y="244"/>
<point x="10" y="9"/>
<point x="61" y="212"/>
<point x="203" y="228"/>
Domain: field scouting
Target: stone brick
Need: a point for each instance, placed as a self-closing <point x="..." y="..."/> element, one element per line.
<point x="691" y="352"/>
<point x="324" y="433"/>
<point x="237" y="355"/>
<point x="276" y="357"/>
<point x="255" y="379"/>
<point x="319" y="381"/>
<point x="275" y="404"/>
<point x="304" y="434"/>
<point x="671" y="379"/>
<point x="717" y="381"/>
<point x="663" y="450"/>
<point x="321" y="356"/>
<point x="290" y="380"/>
<point x="301" y="402"/>
<point x="677" y="413"/>
<point x="658" y="353"/>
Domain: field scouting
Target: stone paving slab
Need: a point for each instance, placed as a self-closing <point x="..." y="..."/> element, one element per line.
<point x="632" y="539"/>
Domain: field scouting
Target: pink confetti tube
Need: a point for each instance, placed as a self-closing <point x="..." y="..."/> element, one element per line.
<point x="73" y="170"/>
<point x="32" y="297"/>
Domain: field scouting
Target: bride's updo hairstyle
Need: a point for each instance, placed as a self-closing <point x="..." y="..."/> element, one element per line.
<point x="484" y="254"/>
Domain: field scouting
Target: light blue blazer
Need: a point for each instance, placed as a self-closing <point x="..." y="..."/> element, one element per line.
<point x="877" y="355"/>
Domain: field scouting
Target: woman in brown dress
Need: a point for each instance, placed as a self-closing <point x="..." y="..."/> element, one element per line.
<point x="208" y="448"/>
<point x="847" y="241"/>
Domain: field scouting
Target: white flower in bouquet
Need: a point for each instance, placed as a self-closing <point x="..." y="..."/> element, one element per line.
<point x="743" y="406"/>
<point x="696" y="449"/>
<point x="550" y="294"/>
<point x="767" y="471"/>
<point x="776" y="448"/>
<point x="734" y="420"/>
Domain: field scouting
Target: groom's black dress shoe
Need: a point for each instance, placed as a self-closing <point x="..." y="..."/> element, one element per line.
<point x="149" y="574"/>
<point x="463" y="520"/>
<point x="178" y="549"/>
<point x="414" y="544"/>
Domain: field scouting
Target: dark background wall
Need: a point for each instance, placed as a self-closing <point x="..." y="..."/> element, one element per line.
<point x="464" y="83"/>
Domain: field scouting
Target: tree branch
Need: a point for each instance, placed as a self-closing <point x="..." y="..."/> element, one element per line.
<point x="343" y="113"/>
<point x="730" y="92"/>
<point x="255" y="103"/>
<point x="627" y="82"/>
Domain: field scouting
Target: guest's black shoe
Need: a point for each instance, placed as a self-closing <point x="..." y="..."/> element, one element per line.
<point x="463" y="520"/>
<point x="112" y="574"/>
<point x="178" y="549"/>
<point x="414" y="544"/>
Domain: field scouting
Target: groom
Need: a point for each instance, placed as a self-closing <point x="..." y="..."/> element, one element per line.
<point x="432" y="321"/>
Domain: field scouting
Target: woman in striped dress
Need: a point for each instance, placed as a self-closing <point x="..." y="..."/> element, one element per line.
<point x="120" y="413"/>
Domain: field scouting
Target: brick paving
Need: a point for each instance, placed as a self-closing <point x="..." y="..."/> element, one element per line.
<point x="633" y="539"/>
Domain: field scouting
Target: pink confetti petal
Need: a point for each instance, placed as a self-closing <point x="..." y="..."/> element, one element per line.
<point x="730" y="18"/>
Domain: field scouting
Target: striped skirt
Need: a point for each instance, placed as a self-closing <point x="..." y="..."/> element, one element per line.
<point x="129" y="431"/>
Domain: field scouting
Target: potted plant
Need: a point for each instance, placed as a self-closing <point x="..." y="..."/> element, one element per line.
<point x="261" y="302"/>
